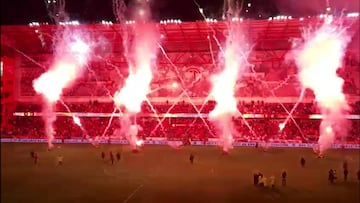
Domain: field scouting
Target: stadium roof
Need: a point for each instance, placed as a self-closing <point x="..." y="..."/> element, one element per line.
<point x="176" y="37"/>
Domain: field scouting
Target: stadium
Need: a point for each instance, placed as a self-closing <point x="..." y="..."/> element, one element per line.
<point x="172" y="111"/>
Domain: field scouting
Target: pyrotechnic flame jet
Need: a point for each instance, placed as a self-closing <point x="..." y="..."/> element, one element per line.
<point x="137" y="85"/>
<point x="72" y="54"/>
<point x="224" y="83"/>
<point x="318" y="61"/>
<point x="231" y="9"/>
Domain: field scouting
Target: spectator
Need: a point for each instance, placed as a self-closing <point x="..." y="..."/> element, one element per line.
<point x="191" y="158"/>
<point x="302" y="162"/>
<point x="283" y="176"/>
<point x="346" y="172"/>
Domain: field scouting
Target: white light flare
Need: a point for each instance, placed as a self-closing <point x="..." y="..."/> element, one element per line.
<point x="77" y="121"/>
<point x="201" y="10"/>
<point x="223" y="90"/>
<point x="318" y="61"/>
<point x="139" y="143"/>
<point x="80" y="50"/>
<point x="174" y="85"/>
<point x="281" y="126"/>
<point x="132" y="136"/>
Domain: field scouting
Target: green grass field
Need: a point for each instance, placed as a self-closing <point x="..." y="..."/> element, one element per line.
<point x="162" y="174"/>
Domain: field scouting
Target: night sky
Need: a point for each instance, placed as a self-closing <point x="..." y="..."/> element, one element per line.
<point x="91" y="11"/>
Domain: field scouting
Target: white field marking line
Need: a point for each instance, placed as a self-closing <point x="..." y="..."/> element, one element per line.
<point x="133" y="193"/>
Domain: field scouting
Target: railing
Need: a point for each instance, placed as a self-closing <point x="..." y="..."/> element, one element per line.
<point x="178" y="143"/>
<point x="195" y="100"/>
<point x="180" y="115"/>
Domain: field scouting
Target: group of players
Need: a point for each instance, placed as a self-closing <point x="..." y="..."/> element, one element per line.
<point x="111" y="155"/>
<point x="35" y="157"/>
<point x="261" y="181"/>
<point x="332" y="173"/>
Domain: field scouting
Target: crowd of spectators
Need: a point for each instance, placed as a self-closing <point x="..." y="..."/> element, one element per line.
<point x="254" y="107"/>
<point x="186" y="125"/>
<point x="101" y="81"/>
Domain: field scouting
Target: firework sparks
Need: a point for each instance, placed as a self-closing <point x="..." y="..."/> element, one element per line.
<point x="72" y="54"/>
<point x="224" y="83"/>
<point x="137" y="85"/>
<point x="318" y="61"/>
<point x="77" y="120"/>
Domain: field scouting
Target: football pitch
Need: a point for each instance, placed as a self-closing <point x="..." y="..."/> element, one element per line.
<point x="163" y="174"/>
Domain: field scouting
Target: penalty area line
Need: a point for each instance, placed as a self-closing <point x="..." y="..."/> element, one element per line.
<point x="133" y="193"/>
